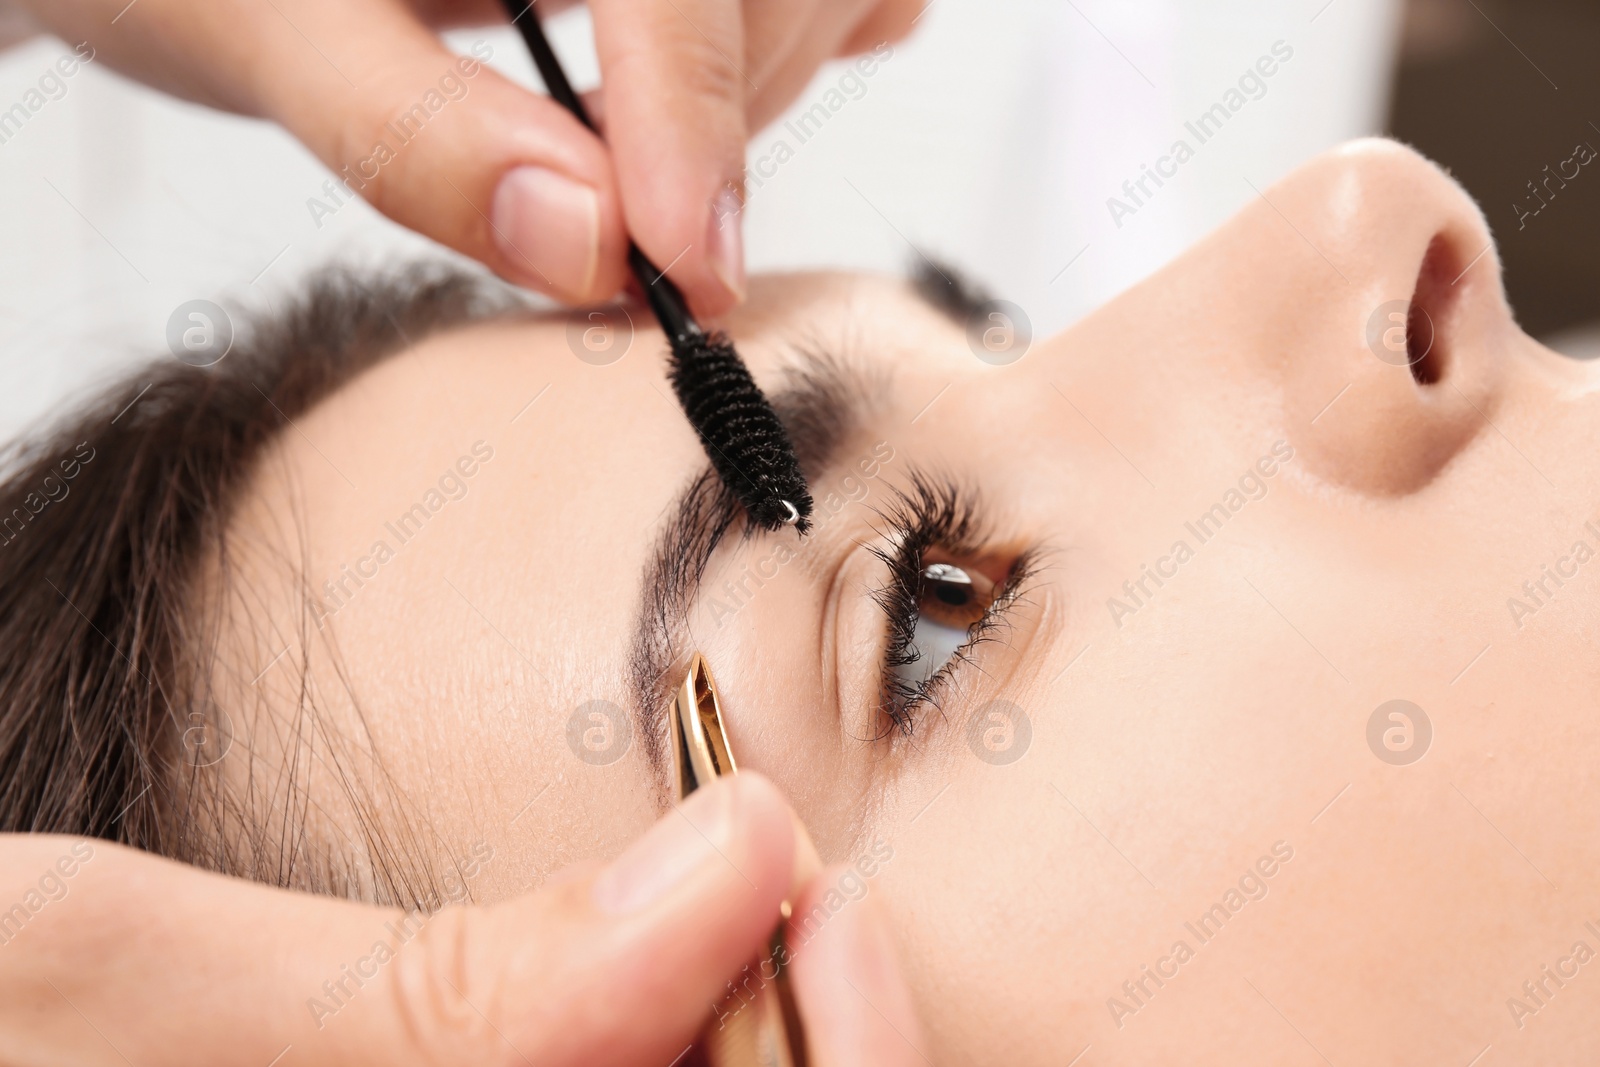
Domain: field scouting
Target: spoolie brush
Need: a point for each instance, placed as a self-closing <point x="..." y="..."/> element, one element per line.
<point x="747" y="445"/>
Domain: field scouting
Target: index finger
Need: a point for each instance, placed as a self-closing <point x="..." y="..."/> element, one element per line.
<point x="675" y="88"/>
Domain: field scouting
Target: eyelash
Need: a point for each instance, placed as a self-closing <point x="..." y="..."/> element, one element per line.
<point x="930" y="514"/>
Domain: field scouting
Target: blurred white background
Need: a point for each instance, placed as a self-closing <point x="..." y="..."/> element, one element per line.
<point x="992" y="138"/>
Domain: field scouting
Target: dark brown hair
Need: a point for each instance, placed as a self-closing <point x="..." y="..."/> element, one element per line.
<point x="104" y="522"/>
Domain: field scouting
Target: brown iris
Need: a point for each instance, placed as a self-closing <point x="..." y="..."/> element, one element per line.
<point x="954" y="596"/>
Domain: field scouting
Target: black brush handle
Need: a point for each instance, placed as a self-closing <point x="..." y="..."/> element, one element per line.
<point x="544" y="57"/>
<point x="665" y="298"/>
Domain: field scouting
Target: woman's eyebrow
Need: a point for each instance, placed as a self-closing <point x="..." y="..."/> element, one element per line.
<point x="821" y="404"/>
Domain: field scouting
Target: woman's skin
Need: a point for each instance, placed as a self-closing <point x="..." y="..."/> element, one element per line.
<point x="1200" y="766"/>
<point x="1205" y="735"/>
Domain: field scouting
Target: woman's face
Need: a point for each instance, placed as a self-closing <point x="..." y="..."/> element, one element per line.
<point x="1161" y="810"/>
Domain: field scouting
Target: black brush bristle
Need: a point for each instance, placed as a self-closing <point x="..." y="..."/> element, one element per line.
<point x="741" y="433"/>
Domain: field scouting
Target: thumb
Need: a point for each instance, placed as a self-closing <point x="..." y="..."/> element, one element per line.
<point x="447" y="147"/>
<point x="619" y="965"/>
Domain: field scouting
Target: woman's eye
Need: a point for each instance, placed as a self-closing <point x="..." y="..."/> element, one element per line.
<point x="950" y="601"/>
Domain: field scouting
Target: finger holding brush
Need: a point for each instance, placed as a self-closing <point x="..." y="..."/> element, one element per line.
<point x="503" y="175"/>
<point x="747" y="445"/>
<point x="685" y="84"/>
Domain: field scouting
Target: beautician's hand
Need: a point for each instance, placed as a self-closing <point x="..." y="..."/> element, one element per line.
<point x="133" y="959"/>
<point x="502" y="174"/>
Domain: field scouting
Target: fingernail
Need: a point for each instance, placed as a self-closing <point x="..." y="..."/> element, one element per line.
<point x="548" y="227"/>
<point x="675" y="848"/>
<point x="725" y="239"/>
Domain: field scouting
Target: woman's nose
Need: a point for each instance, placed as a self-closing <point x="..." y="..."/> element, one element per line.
<point x="1383" y="323"/>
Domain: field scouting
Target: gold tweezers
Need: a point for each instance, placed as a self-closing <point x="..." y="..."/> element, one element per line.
<point x="758" y="1024"/>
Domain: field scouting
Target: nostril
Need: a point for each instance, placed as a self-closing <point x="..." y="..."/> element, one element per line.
<point x="1422" y="354"/>
<point x="1432" y="304"/>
